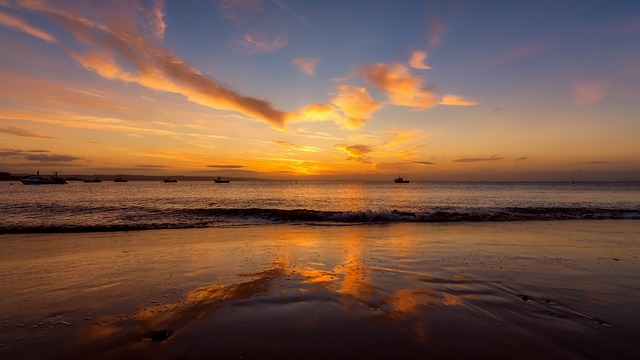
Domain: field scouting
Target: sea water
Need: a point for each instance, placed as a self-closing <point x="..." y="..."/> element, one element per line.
<point x="141" y="205"/>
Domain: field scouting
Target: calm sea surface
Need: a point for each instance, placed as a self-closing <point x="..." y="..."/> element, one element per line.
<point x="110" y="206"/>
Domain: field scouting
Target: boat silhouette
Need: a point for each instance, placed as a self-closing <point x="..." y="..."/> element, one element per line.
<point x="41" y="180"/>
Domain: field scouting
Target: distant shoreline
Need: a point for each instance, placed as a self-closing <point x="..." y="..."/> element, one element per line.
<point x="4" y="176"/>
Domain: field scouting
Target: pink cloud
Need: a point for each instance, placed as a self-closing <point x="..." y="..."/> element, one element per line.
<point x="16" y="23"/>
<point x="435" y="31"/>
<point x="417" y="60"/>
<point x="521" y="51"/>
<point x="589" y="92"/>
<point x="306" y="65"/>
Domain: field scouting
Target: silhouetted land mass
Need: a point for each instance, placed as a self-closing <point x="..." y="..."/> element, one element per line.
<point x="5" y="176"/>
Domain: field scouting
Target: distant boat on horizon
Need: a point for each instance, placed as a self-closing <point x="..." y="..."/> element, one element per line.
<point x="119" y="179"/>
<point x="220" y="180"/>
<point x="170" y="180"/>
<point x="96" y="180"/>
<point x="41" y="180"/>
<point x="400" y="180"/>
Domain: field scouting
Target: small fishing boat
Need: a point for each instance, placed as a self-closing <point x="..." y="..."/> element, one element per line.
<point x="400" y="180"/>
<point x="170" y="180"/>
<point x="41" y="180"/>
<point x="220" y="180"/>
<point x="92" y="180"/>
<point x="119" y="179"/>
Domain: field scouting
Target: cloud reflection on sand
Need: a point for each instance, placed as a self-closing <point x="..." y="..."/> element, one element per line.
<point x="400" y="290"/>
<point x="350" y="288"/>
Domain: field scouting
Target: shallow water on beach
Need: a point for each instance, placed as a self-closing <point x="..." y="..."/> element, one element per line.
<point x="109" y="206"/>
<point x="526" y="290"/>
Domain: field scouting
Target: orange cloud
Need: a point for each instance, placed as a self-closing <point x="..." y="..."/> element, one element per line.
<point x="306" y="65"/>
<point x="456" y="101"/>
<point x="18" y="24"/>
<point x="318" y="112"/>
<point x="399" y="85"/>
<point x="151" y="65"/>
<point x="417" y="60"/>
<point x="588" y="93"/>
<point x="356" y="152"/>
<point x="356" y="105"/>
<point x="296" y="146"/>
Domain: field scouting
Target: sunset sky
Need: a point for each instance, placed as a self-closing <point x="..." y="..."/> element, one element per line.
<point x="284" y="89"/>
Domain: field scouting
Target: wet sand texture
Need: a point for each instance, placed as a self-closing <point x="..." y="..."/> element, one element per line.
<point x="527" y="290"/>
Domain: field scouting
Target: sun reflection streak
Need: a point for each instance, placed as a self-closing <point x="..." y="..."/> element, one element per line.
<point x="394" y="295"/>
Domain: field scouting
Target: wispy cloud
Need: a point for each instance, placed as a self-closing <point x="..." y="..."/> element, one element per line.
<point x="435" y="31"/>
<point x="428" y="163"/>
<point x="456" y="100"/>
<point x="471" y="160"/>
<point x="356" y="152"/>
<point x="521" y="51"/>
<point x="233" y="10"/>
<point x="306" y="65"/>
<point x="399" y="85"/>
<point x="22" y="132"/>
<point x="221" y="166"/>
<point x="152" y="166"/>
<point x="37" y="155"/>
<point x="599" y="162"/>
<point x="587" y="93"/>
<point x="122" y="50"/>
<point x="296" y="146"/>
<point x="417" y="60"/>
<point x="521" y="158"/>
<point x="261" y="43"/>
<point x="18" y="24"/>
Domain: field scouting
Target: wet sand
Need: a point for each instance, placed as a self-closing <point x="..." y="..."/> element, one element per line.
<point x="526" y="290"/>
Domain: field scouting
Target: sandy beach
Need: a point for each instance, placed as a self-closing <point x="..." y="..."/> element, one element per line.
<point x="526" y="290"/>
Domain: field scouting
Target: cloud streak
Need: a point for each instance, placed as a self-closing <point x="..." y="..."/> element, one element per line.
<point x="226" y="166"/>
<point x="356" y="152"/>
<point x="22" y="132"/>
<point x="16" y="23"/>
<point x="120" y="50"/>
<point x="37" y="155"/>
<point x="472" y="160"/>
<point x="296" y="146"/>
<point x="455" y="100"/>
<point x="306" y="65"/>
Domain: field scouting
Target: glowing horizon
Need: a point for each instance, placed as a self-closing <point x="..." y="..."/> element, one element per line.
<point x="273" y="89"/>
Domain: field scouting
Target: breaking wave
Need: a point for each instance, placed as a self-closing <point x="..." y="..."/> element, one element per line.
<point x="228" y="217"/>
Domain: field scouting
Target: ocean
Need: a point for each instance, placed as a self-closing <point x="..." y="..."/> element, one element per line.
<point x="143" y="205"/>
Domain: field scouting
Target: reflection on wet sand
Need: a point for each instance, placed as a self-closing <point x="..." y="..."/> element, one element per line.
<point x="356" y="293"/>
